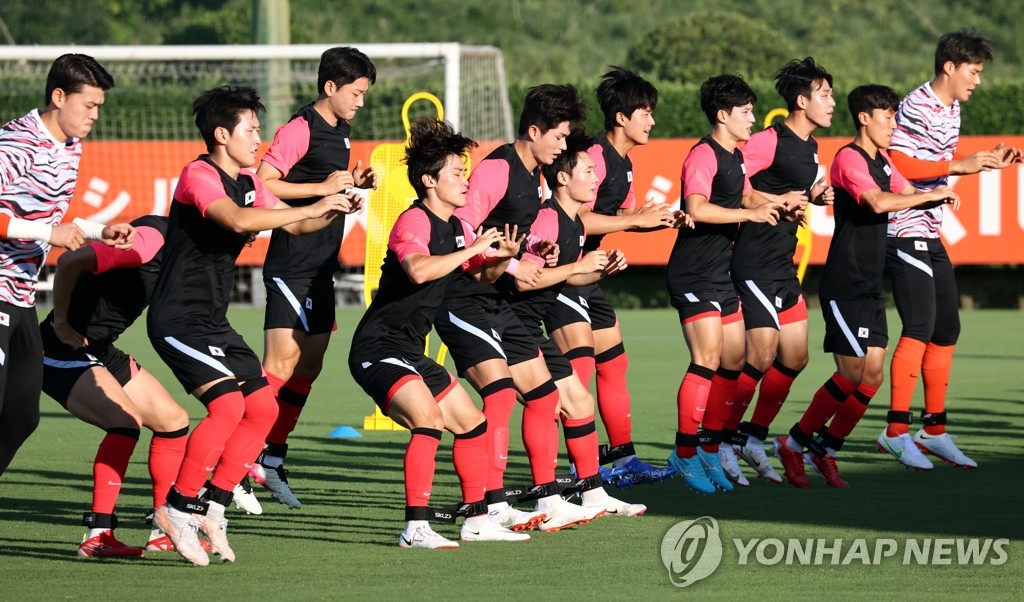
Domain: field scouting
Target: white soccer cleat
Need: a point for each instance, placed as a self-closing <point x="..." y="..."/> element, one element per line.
<point x="275" y="480"/>
<point x="614" y="507"/>
<point x="560" y="514"/>
<point x="244" y="498"/>
<point x="727" y="456"/>
<point x="513" y="519"/>
<point x="215" y="527"/>
<point x="754" y="455"/>
<point x="902" y="448"/>
<point x="943" y="447"/>
<point x="487" y="530"/>
<point x="425" y="537"/>
<point x="182" y="528"/>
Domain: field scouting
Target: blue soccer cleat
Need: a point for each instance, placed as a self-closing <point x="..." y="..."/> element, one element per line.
<point x="637" y="472"/>
<point x="692" y="471"/>
<point x="713" y="469"/>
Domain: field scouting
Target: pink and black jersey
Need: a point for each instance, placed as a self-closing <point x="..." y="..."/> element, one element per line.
<point x="199" y="255"/>
<point x="856" y="255"/>
<point x="925" y="129"/>
<point x="402" y="313"/>
<point x="306" y="150"/>
<point x="615" y="184"/>
<point x="778" y="161"/>
<point x="38" y="175"/>
<point x="106" y="302"/>
<point x="701" y="256"/>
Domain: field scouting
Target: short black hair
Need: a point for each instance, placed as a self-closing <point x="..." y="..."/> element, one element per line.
<point x="724" y="93"/>
<point x="867" y="98"/>
<point x="797" y="79"/>
<point x="431" y="142"/>
<point x="343" y="65"/>
<point x="964" y="46"/>
<point x="223" y="107"/>
<point x="71" y="72"/>
<point x="548" y="105"/>
<point x="622" y="91"/>
<point x="578" y="141"/>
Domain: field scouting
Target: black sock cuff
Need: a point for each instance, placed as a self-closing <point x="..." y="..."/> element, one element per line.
<point x="580" y="430"/>
<point x="292" y="398"/>
<point x="477" y="431"/>
<point x="727" y="374"/>
<point x="701" y="371"/>
<point x="433" y="433"/>
<point x="784" y="369"/>
<point x="611" y="353"/>
<point x="578" y="352"/>
<point x="752" y="371"/>
<point x="127" y="432"/>
<point x="220" y="389"/>
<point x="278" y="450"/>
<point x="498" y="385"/>
<point x="182" y="432"/>
<point x="540" y="392"/>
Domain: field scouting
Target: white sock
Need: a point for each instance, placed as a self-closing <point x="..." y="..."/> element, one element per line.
<point x="271" y="461"/>
<point x="94" y="532"/>
<point x="753" y="441"/>
<point x="214" y="510"/>
<point x="476" y="522"/>
<point x="546" y="504"/>
<point x="793" y="446"/>
<point x="497" y="508"/>
<point x="411" y="526"/>
<point x="595" y="497"/>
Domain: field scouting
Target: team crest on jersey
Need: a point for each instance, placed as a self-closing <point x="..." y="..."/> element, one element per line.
<point x="815" y="158"/>
<point x="778" y="302"/>
<point x="582" y="239"/>
<point x="540" y="192"/>
<point x="309" y="303"/>
<point x="743" y="168"/>
<point x="920" y="245"/>
<point x="250" y="197"/>
<point x="888" y="171"/>
<point x="5" y="319"/>
<point x="460" y="242"/>
<point x="217" y="351"/>
<point x="629" y="176"/>
<point x="348" y="144"/>
<point x="862" y="333"/>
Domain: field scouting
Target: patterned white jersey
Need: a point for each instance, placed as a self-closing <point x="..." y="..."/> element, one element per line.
<point x="37" y="180"/>
<point x="926" y="129"/>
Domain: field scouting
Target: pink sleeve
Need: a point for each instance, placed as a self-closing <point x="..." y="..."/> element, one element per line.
<point x="545" y="226"/>
<point x="475" y="261"/>
<point x="487" y="185"/>
<point x="291" y="141"/>
<point x="759" y="152"/>
<point x="897" y="183"/>
<point x="596" y="153"/>
<point x="199" y="186"/>
<point x="850" y="172"/>
<point x="630" y="201"/>
<point x="146" y="245"/>
<point x="264" y="198"/>
<point x="699" y="171"/>
<point x="747" y="188"/>
<point x="410" y="235"/>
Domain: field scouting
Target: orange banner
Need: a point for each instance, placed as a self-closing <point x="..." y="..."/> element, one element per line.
<point x="120" y="181"/>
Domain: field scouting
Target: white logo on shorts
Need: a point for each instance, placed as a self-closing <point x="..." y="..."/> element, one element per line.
<point x="691" y="550"/>
<point x="862" y="333"/>
<point x="494" y="333"/>
<point x="583" y="302"/>
<point x="778" y="302"/>
<point x="309" y="303"/>
<point x="920" y="245"/>
<point x="216" y="351"/>
<point x="366" y="365"/>
<point x="582" y="239"/>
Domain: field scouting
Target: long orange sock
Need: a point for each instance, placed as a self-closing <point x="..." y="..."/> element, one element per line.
<point x="938" y="361"/>
<point x="903" y="373"/>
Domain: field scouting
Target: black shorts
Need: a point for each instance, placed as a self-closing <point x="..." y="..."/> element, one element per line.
<point x="21" y="372"/>
<point x="771" y="303"/>
<point x="557" y="364"/>
<point x="383" y="376"/>
<point x="200" y="358"/>
<point x="304" y="304"/>
<point x="703" y="304"/>
<point x="924" y="289"/>
<point x="63" y="366"/>
<point x="852" y="326"/>
<point x="577" y="304"/>
<point x="477" y="329"/>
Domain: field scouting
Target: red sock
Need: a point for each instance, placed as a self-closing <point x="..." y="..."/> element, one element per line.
<point x="825" y="403"/>
<point x="165" y="453"/>
<point x="720" y="400"/>
<point x="291" y="399"/>
<point x="775" y="388"/>
<point x="851" y="411"/>
<point x="746" y="384"/>
<point x="469" y="454"/>
<point x="582" y="360"/>
<point x="903" y="373"/>
<point x="241" y="449"/>
<point x="206" y="443"/>
<point x="109" y="467"/>
<point x="613" y="399"/>
<point x="938" y="362"/>
<point x="540" y="431"/>
<point x="691" y="403"/>
<point x="499" y="401"/>
<point x="581" y="441"/>
<point x="420" y="461"/>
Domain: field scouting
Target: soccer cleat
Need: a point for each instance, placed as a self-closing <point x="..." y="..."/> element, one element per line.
<point x="245" y="499"/>
<point x="182" y="528"/>
<point x="488" y="530"/>
<point x="727" y="457"/>
<point x="943" y="447"/>
<point x="514" y="519"/>
<point x="636" y="472"/>
<point x="563" y="515"/>
<point x="753" y="454"/>
<point x="614" y="507"/>
<point x="105" y="545"/>
<point x="902" y="448"/>
<point x="607" y="474"/>
<point x="216" y="530"/>
<point x="792" y="463"/>
<point x="159" y="542"/>
<point x="275" y="480"/>
<point x="826" y="467"/>
<point x="713" y="469"/>
<point x="425" y="537"/>
<point x="692" y="472"/>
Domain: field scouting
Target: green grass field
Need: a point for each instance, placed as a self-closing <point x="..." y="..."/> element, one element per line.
<point x="342" y="543"/>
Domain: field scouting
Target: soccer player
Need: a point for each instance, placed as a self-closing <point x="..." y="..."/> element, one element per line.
<point x="490" y="346"/>
<point x="98" y="292"/>
<point x="39" y="157"/>
<point x="717" y="196"/>
<point x="924" y="149"/>
<point x="572" y="179"/>
<point x="428" y="245"/>
<point x="218" y="208"/>
<point x="867" y="187"/>
<point x="781" y="161"/>
<point x="582" y="322"/>
<point x="308" y="160"/>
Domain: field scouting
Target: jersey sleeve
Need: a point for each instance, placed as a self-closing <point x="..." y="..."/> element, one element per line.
<point x="13" y="164"/>
<point x="487" y="186"/>
<point x="699" y="171"/>
<point x="410" y="235"/>
<point x="477" y="260"/>
<point x="759" y="152"/>
<point x="147" y="244"/>
<point x="596" y="152"/>
<point x="918" y="169"/>
<point x="264" y="198"/>
<point x="897" y="181"/>
<point x="545" y="226"/>
<point x="199" y="186"/>
<point x="850" y="172"/>
<point x="291" y="142"/>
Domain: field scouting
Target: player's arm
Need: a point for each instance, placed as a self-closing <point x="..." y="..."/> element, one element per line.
<point x="336" y="182"/>
<point x="422" y="268"/>
<point x="70" y="267"/>
<point x="908" y="198"/>
<point x="495" y="261"/>
<point x="68" y="236"/>
<point x="650" y="217"/>
<point x="703" y="211"/>
<point x="256" y="219"/>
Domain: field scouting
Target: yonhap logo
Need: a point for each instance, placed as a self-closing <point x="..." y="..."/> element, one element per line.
<point x="691" y="550"/>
